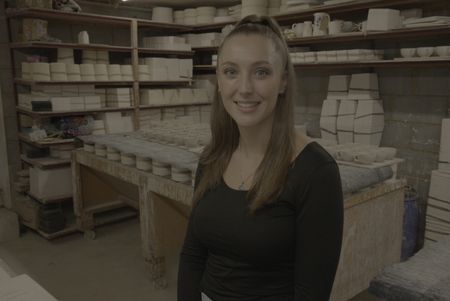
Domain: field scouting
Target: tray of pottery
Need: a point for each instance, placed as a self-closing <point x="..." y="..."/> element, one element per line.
<point x="372" y="165"/>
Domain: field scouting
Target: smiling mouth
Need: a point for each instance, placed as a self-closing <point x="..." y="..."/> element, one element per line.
<point x="247" y="104"/>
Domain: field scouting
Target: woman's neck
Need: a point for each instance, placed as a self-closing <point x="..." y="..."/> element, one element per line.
<point x="253" y="141"/>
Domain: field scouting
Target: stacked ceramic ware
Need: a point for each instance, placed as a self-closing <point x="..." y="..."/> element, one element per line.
<point x="118" y="97"/>
<point x="162" y="14"/>
<point x="58" y="71"/>
<point x="254" y="7"/>
<point x="205" y="14"/>
<point x="190" y="16"/>
<point x="178" y="16"/>
<point x="235" y="11"/>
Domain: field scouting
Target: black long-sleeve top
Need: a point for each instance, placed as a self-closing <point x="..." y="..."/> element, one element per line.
<point x="288" y="250"/>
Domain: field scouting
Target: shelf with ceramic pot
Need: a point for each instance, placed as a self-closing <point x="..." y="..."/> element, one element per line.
<point x="347" y="8"/>
<point x="403" y="33"/>
<point x="32" y="46"/>
<point x="68" y="17"/>
<point x="173" y="27"/>
<point x="46" y="114"/>
<point x="45" y="143"/>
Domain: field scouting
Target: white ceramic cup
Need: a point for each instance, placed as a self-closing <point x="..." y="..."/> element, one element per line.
<point x="307" y="29"/>
<point x="425" y="51"/>
<point x="348" y="26"/>
<point x="298" y="29"/>
<point x="335" y="27"/>
<point x="321" y="24"/>
<point x="408" y="52"/>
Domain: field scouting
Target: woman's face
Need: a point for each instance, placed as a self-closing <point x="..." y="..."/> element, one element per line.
<point x="250" y="76"/>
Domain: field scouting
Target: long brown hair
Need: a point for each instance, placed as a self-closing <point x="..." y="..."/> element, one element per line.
<point x="272" y="172"/>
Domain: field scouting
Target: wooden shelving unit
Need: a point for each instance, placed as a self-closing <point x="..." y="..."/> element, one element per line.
<point x="58" y="83"/>
<point x="165" y="52"/>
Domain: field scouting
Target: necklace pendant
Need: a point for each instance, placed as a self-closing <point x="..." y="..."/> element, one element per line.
<point x="241" y="187"/>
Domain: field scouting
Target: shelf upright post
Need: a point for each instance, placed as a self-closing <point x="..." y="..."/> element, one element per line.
<point x="135" y="64"/>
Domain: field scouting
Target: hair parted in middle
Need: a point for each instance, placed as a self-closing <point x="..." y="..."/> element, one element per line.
<point x="272" y="172"/>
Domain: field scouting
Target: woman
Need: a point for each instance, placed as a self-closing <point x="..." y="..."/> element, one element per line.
<point x="268" y="214"/>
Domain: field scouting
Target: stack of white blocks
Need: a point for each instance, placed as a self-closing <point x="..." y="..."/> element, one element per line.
<point x="353" y="111"/>
<point x="369" y="117"/>
<point x="210" y="39"/>
<point x="147" y="116"/>
<point x="117" y="122"/>
<point x="162" y="69"/>
<point x="173" y="96"/>
<point x="337" y="91"/>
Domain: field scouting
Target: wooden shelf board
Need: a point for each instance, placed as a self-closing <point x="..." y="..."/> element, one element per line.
<point x="166" y="51"/>
<point x="25" y="139"/>
<point x="173" y="105"/>
<point x="149" y="24"/>
<point x="206" y="49"/>
<point x="51" y="201"/>
<point x="50" y="45"/>
<point x="69" y="17"/>
<point x="97" y="83"/>
<point x="433" y="62"/>
<point x="164" y="83"/>
<point x="209" y="27"/>
<point x="46" y="163"/>
<point x="205" y="67"/>
<point x="376" y="64"/>
<point x="28" y="112"/>
<point x="431" y="32"/>
<point x="66" y="231"/>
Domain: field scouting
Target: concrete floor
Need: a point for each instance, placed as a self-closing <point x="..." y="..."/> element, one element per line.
<point x="110" y="267"/>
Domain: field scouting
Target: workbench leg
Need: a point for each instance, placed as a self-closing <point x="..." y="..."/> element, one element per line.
<point x="151" y="242"/>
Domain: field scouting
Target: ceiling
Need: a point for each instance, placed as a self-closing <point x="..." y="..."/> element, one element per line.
<point x="171" y="3"/>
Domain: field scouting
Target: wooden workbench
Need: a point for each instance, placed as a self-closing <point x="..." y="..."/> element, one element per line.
<point x="372" y="227"/>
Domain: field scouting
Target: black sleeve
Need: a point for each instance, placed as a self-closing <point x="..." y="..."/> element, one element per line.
<point x="192" y="262"/>
<point x="319" y="227"/>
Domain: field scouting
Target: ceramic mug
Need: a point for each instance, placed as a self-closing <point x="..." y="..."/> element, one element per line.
<point x="335" y="27"/>
<point x="298" y="29"/>
<point x="83" y="37"/>
<point x="321" y="24"/>
<point x="307" y="29"/>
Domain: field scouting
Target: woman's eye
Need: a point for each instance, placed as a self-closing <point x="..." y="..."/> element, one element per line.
<point x="261" y="73"/>
<point x="229" y="72"/>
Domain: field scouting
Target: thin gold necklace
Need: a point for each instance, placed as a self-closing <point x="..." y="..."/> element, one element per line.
<point x="241" y="186"/>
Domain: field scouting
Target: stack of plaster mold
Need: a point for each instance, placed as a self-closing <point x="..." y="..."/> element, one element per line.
<point x="115" y="122"/>
<point x="62" y="98"/>
<point x="353" y="111"/>
<point x="369" y="116"/>
<point x="209" y="39"/>
<point x="119" y="97"/>
<point x="166" y="42"/>
<point x="162" y="69"/>
<point x="337" y="91"/>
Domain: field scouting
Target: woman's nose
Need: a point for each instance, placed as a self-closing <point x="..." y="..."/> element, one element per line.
<point x="245" y="85"/>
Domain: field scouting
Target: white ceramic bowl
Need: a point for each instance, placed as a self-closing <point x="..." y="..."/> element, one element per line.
<point x="408" y="52"/>
<point x="425" y="51"/>
<point x="442" y="50"/>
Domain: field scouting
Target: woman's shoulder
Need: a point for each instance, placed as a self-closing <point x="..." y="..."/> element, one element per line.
<point x="310" y="153"/>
